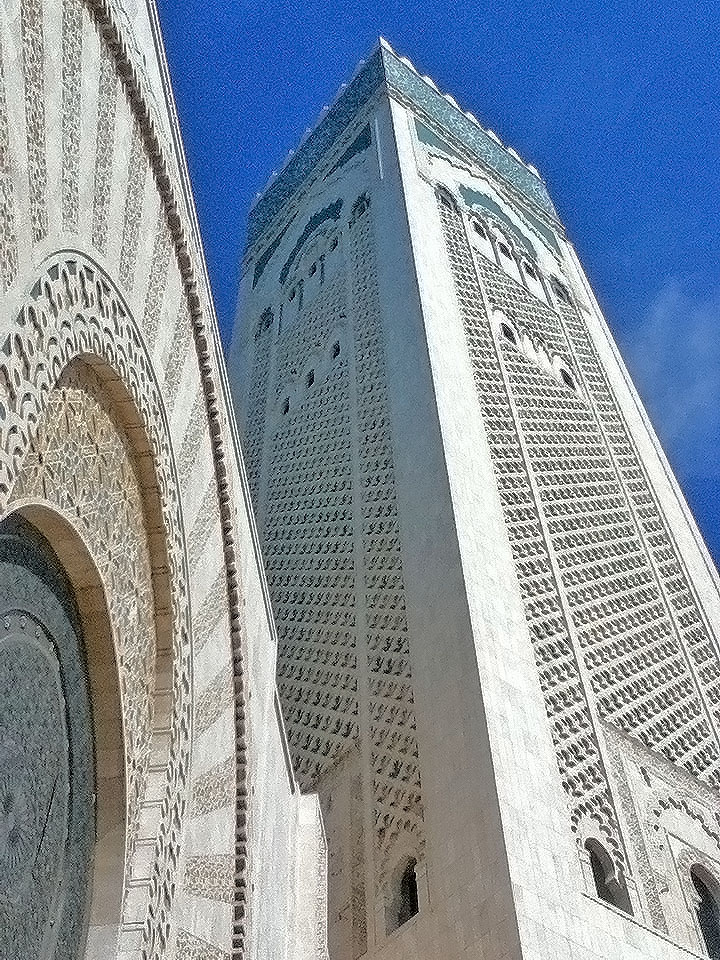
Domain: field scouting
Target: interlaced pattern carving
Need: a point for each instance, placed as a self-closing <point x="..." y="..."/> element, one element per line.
<point x="637" y="663"/>
<point x="81" y="461"/>
<point x="73" y="310"/>
<point x="105" y="145"/>
<point x="578" y="753"/>
<point x="395" y="763"/>
<point x="8" y="236"/>
<point x="320" y="454"/>
<point x="694" y="631"/>
<point x="72" y="26"/>
<point x="309" y="542"/>
<point x="649" y="657"/>
<point x="257" y="400"/>
<point x="33" y="46"/>
<point x="137" y="172"/>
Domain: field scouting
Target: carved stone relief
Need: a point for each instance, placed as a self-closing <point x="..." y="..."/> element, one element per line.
<point x="74" y="311"/>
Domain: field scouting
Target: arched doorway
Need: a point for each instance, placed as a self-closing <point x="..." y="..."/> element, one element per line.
<point x="61" y="768"/>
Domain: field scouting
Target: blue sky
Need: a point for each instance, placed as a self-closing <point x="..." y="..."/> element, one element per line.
<point x="617" y="104"/>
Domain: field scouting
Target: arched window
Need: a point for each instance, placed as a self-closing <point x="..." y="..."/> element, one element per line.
<point x="480" y="240"/>
<point x="286" y="405"/>
<point x="402" y="904"/>
<point x="707" y="912"/>
<point x="607" y="886"/>
<point x="310" y="378"/>
<point x="567" y="378"/>
<point x="408" y="893"/>
<point x="507" y="331"/>
<point x="560" y="290"/>
<point x="336" y="349"/>
<point x="446" y="198"/>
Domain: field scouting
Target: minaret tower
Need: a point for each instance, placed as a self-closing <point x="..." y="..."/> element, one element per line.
<point x="496" y="620"/>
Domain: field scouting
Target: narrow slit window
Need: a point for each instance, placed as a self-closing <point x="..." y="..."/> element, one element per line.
<point x="508" y="333"/>
<point x="607" y="885"/>
<point x="568" y="379"/>
<point x="707" y="911"/>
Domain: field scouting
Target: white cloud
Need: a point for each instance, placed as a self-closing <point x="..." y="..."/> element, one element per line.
<point x="674" y="357"/>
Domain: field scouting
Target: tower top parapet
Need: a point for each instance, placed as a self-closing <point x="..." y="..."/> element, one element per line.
<point x="401" y="79"/>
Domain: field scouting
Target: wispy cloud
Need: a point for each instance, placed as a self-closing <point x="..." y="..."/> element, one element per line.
<point x="674" y="357"/>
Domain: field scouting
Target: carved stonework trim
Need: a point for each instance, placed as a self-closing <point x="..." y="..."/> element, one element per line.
<point x="72" y="36"/>
<point x="8" y="236"/>
<point x="207" y="348"/>
<point x="105" y="145"/>
<point x="33" y="46"/>
<point x="73" y="310"/>
<point x="158" y="279"/>
<point x="214" y="700"/>
<point x="190" y="947"/>
<point x="214" y="789"/>
<point x="212" y="610"/>
<point x="211" y="877"/>
<point x="137" y="171"/>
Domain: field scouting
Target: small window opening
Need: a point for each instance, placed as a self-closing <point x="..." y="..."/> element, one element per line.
<point x="508" y="333"/>
<point x="561" y="291"/>
<point x="708" y="915"/>
<point x="313" y="269"/>
<point x="567" y="379"/>
<point x="334" y="244"/>
<point x="403" y="902"/>
<point x="286" y="405"/>
<point x="505" y="251"/>
<point x="336" y="349"/>
<point x="479" y="229"/>
<point x="310" y="378"/>
<point x="408" y="893"/>
<point x="292" y="293"/>
<point x="530" y="270"/>
<point x="607" y="886"/>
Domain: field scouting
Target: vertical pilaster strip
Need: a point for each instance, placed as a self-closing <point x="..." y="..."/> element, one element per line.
<point x="8" y="236"/>
<point x="71" y="92"/>
<point x="107" y="106"/>
<point x="33" y="49"/>
<point x="137" y="173"/>
<point x="158" y="279"/>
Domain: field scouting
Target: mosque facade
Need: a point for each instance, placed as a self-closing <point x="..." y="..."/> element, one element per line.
<point x="420" y="658"/>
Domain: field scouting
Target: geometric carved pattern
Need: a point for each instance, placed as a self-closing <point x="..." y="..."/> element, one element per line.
<point x="105" y="145"/>
<point x="395" y="764"/>
<point x="71" y="79"/>
<point x="33" y="45"/>
<point x="670" y="572"/>
<point x="636" y="659"/>
<point x="72" y="310"/>
<point x="157" y="280"/>
<point x="577" y="749"/>
<point x="137" y="172"/>
<point x="80" y="461"/>
<point x="308" y="536"/>
<point x="320" y="461"/>
<point x="190" y="947"/>
<point x="646" y="659"/>
<point x="211" y="877"/>
<point x="8" y="236"/>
